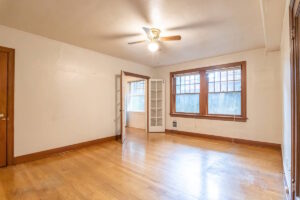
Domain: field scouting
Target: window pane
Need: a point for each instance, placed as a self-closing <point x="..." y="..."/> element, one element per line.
<point x="187" y="88"/>
<point x="136" y="96"/>
<point x="217" y="76"/>
<point x="230" y="86"/>
<point x="211" y="87"/>
<point x="192" y="79"/>
<point x="182" y="89"/>
<point x="187" y="80"/>
<point x="230" y="75"/>
<point x="177" y="89"/>
<point x="197" y="78"/>
<point x="217" y="86"/>
<point x="197" y="89"/>
<point x="224" y="76"/>
<point x="211" y="76"/>
<point x="237" y="74"/>
<point x="237" y="85"/>
<point x="192" y="89"/>
<point x="188" y="103"/>
<point x="224" y="103"/>
<point x="178" y="80"/>
<point x="223" y="86"/>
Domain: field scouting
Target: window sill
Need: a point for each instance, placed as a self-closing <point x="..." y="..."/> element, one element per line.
<point x="212" y="117"/>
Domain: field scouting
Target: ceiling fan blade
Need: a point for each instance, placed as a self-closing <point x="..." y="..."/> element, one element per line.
<point x="136" y="42"/>
<point x="170" y="38"/>
<point x="147" y="30"/>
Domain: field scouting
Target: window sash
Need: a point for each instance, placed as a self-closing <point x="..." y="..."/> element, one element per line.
<point x="225" y="74"/>
<point x="136" y="89"/>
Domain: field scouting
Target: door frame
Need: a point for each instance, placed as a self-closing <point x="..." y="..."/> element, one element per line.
<point x="121" y="104"/>
<point x="10" y="104"/>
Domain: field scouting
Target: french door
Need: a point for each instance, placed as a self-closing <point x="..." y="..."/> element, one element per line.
<point x="157" y="105"/>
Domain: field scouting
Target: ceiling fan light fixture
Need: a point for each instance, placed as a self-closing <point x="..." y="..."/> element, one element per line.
<point x="153" y="46"/>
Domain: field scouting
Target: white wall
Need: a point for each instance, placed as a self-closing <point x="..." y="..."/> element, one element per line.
<point x="136" y="119"/>
<point x="263" y="98"/>
<point x="63" y="94"/>
<point x="286" y="96"/>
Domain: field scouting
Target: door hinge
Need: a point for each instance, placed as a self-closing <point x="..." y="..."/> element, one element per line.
<point x="293" y="33"/>
<point x="293" y="186"/>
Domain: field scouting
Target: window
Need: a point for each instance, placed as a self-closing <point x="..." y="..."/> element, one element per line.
<point x="217" y="92"/>
<point x="136" y="96"/>
<point x="187" y="92"/>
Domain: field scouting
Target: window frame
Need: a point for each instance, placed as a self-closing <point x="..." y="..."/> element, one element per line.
<point x="130" y="95"/>
<point x="203" y="104"/>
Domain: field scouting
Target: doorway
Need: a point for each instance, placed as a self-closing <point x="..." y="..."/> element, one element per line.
<point x="134" y="109"/>
<point x="6" y="106"/>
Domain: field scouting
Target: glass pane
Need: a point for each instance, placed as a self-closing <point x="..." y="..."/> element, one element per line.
<point x="182" y="89"/>
<point x="237" y="85"/>
<point x="192" y="79"/>
<point x="197" y="89"/>
<point x="177" y="89"/>
<point x="192" y="88"/>
<point x="188" y="103"/>
<point x="237" y="74"/>
<point x="211" y="76"/>
<point x="223" y="86"/>
<point x="230" y="86"/>
<point x="230" y="75"/>
<point x="187" y="80"/>
<point x="187" y="88"/>
<point x="217" y="86"/>
<point x="211" y="87"/>
<point x="217" y="76"/>
<point x="224" y="76"/>
<point x="178" y="80"/>
<point x="182" y="80"/>
<point x="197" y="78"/>
<point x="224" y="103"/>
<point x="136" y="103"/>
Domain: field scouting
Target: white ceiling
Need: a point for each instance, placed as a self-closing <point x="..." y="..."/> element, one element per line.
<point x="208" y="27"/>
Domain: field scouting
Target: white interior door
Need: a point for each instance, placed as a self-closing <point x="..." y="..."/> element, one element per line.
<point x="123" y="109"/>
<point x="156" y="105"/>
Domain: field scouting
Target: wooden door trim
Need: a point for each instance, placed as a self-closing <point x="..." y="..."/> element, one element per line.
<point x="295" y="92"/>
<point x="10" y="104"/>
<point x="147" y="90"/>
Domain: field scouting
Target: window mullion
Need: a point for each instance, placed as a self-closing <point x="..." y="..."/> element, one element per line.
<point x="203" y="93"/>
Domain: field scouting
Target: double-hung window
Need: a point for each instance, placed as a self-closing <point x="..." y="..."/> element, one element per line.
<point x="136" y="96"/>
<point x="216" y="92"/>
<point x="187" y="92"/>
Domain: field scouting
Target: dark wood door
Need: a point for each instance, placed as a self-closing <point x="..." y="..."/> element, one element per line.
<point x="3" y="107"/>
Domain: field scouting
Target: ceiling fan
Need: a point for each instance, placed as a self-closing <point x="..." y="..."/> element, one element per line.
<point x="153" y="35"/>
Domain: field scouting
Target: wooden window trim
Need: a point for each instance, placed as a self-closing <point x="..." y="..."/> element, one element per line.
<point x="203" y="107"/>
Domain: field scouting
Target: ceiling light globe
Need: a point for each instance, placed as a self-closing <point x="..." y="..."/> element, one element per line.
<point x="153" y="46"/>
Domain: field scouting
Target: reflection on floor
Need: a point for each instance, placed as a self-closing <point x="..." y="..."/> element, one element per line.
<point x="150" y="166"/>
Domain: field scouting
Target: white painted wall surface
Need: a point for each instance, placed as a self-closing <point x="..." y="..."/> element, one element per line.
<point x="286" y="96"/>
<point x="263" y="98"/>
<point x="63" y="94"/>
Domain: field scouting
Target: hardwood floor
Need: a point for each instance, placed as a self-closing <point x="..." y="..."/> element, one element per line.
<point x="157" y="166"/>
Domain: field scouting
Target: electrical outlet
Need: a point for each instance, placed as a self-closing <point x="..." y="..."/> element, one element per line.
<point x="174" y="124"/>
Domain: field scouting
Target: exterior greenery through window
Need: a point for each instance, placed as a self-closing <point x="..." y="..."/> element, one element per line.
<point x="136" y="96"/>
<point x="216" y="92"/>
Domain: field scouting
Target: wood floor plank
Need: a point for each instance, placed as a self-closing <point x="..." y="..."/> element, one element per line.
<point x="150" y="166"/>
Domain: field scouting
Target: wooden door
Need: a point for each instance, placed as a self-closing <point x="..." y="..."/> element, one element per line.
<point x="122" y="110"/>
<point x="3" y="107"/>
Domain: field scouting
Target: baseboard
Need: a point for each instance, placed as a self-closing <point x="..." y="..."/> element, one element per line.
<point x="47" y="153"/>
<point x="229" y="139"/>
